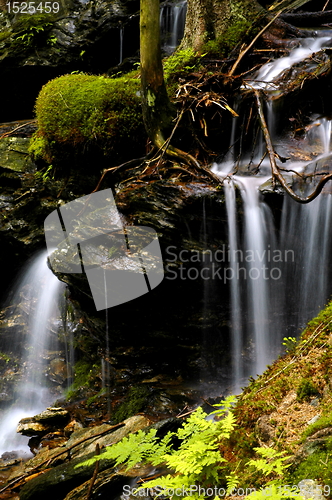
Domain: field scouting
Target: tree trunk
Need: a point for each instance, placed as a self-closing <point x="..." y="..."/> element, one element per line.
<point x="157" y="109"/>
<point x="226" y="21"/>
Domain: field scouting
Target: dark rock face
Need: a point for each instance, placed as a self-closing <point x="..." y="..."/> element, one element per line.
<point x="169" y="329"/>
<point x="82" y="37"/>
<point x="177" y="332"/>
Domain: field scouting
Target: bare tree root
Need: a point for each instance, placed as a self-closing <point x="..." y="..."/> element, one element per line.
<point x="175" y="153"/>
<point x="123" y="166"/>
<point x="276" y="175"/>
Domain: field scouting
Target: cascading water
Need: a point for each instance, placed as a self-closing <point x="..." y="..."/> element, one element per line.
<point x="237" y="329"/>
<point x="37" y="297"/>
<point x="121" y="44"/>
<point x="270" y="258"/>
<point x="172" y="21"/>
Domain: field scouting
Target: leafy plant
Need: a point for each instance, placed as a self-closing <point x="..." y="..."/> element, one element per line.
<point x="193" y="456"/>
<point x="270" y="462"/>
<point x="289" y="343"/>
<point x="305" y="390"/>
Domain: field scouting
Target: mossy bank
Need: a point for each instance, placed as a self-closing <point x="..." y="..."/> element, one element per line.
<point x="85" y="117"/>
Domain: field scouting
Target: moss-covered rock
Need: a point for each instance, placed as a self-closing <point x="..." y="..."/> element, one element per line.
<point x="80" y="113"/>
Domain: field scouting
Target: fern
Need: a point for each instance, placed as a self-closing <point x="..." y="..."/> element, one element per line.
<point x="135" y="448"/>
<point x="271" y="461"/>
<point x="274" y="492"/>
<point x="197" y="463"/>
<point x="232" y="483"/>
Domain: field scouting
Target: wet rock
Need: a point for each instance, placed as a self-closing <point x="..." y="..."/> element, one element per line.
<point x="65" y="477"/>
<point x="13" y="153"/>
<point x="89" y="443"/>
<point x="310" y="489"/>
<point x="27" y="427"/>
<point x="264" y="430"/>
<point x="44" y="422"/>
<point x="73" y="426"/>
<point x="57" y="371"/>
<point x="74" y="39"/>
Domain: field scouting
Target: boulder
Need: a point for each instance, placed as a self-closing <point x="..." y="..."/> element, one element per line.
<point x="43" y="423"/>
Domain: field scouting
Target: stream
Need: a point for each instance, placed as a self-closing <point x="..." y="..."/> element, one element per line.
<point x="266" y="254"/>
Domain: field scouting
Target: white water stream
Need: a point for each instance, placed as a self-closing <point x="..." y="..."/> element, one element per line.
<point x="172" y="21"/>
<point x="280" y="272"/>
<point x="37" y="295"/>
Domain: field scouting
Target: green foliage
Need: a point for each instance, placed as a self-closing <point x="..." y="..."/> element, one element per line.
<point x="44" y="175"/>
<point x="179" y="63"/>
<point x="192" y="454"/>
<point x="323" y="422"/>
<point x="271" y="461"/>
<point x="316" y="466"/>
<point x="134" y="402"/>
<point x="290" y="344"/>
<point x="305" y="390"/>
<point x="33" y="30"/>
<point x="76" y="112"/>
<point x="135" y="448"/>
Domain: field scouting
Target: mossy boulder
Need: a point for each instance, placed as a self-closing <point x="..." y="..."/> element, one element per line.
<point x="80" y="114"/>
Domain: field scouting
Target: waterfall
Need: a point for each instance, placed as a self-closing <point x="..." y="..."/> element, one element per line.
<point x="272" y="70"/>
<point x="172" y="21"/>
<point x="121" y="43"/>
<point x="280" y="269"/>
<point x="306" y="230"/>
<point x="36" y="300"/>
<point x="237" y="329"/>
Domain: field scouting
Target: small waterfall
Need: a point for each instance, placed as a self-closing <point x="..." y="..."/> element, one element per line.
<point x="321" y="130"/>
<point x="257" y="290"/>
<point x="37" y="296"/>
<point x="236" y="320"/>
<point x="172" y="21"/>
<point x="306" y="229"/>
<point x="281" y="274"/>
<point x="121" y="43"/>
<point x="269" y="72"/>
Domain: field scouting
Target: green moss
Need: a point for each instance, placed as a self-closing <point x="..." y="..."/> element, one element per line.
<point x="39" y="148"/>
<point x="180" y="62"/>
<point x="306" y="390"/>
<point x="135" y="401"/>
<point x="94" y="398"/>
<point x="178" y="65"/>
<point x="85" y="375"/>
<point x="79" y="112"/>
<point x="235" y="33"/>
<point x="32" y="30"/>
<point x="317" y="466"/>
<point x="323" y="422"/>
<point x="4" y="357"/>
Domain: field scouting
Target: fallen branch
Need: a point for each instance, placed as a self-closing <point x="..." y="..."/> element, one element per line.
<point x="243" y="52"/>
<point x="6" y="134"/>
<point x="276" y="175"/>
<point x="66" y="450"/>
<point x="95" y="474"/>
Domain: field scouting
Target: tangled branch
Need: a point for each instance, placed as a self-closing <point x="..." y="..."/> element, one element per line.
<point x="276" y="175"/>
